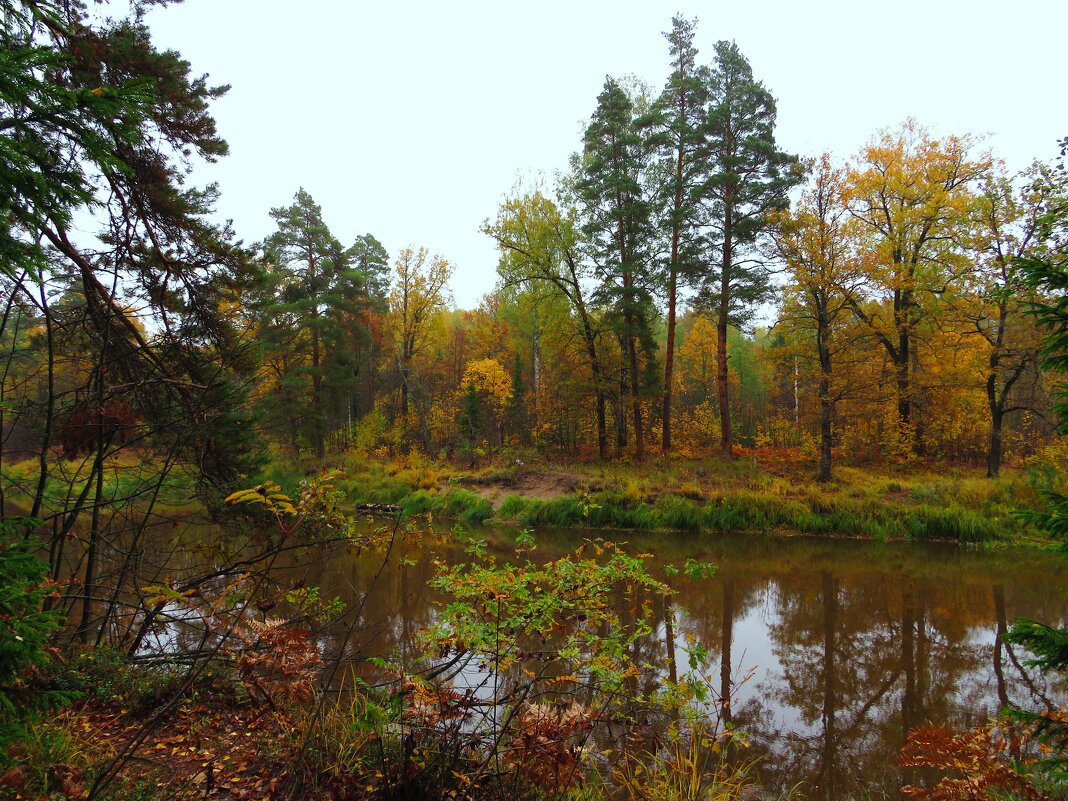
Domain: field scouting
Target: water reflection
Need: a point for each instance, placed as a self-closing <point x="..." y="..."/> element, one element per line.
<point x="847" y="645"/>
<point x="855" y="644"/>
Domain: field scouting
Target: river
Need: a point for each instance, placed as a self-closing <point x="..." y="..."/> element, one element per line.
<point x="830" y="650"/>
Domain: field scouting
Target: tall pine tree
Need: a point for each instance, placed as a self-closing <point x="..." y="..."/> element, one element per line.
<point x="313" y="319"/>
<point x="678" y="125"/>
<point x="617" y="225"/>
<point x="747" y="177"/>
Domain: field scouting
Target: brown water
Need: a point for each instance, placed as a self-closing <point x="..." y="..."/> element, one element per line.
<point x="846" y="645"/>
<point x="830" y="650"/>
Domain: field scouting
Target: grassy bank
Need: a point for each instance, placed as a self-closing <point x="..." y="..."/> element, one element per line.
<point x="749" y="511"/>
<point x="129" y="477"/>
<point x="758" y="492"/>
<point x="751" y="494"/>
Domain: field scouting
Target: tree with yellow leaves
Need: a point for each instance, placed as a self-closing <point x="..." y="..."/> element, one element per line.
<point x="814" y="242"/>
<point x="491" y="386"/>
<point x="910" y="196"/>
<point x="420" y="290"/>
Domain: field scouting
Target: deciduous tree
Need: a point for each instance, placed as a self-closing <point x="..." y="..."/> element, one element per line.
<point x="813" y="241"/>
<point x="540" y="248"/>
<point x="420" y="289"/>
<point x="910" y="194"/>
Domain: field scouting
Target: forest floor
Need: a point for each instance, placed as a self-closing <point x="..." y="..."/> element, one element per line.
<point x="200" y="751"/>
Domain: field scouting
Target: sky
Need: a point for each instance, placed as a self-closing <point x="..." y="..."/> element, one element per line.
<point x="412" y="121"/>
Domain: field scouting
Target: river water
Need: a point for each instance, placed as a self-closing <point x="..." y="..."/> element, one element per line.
<point x="830" y="650"/>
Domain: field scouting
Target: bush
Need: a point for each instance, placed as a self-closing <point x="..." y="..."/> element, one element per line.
<point x="24" y="628"/>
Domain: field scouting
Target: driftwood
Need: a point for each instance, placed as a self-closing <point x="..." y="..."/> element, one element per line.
<point x="377" y="508"/>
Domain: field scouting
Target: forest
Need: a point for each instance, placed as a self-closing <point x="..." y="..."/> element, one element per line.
<point x="690" y="335"/>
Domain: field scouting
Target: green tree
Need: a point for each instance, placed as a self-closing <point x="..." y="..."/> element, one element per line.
<point x="540" y="248"/>
<point x="97" y="122"/>
<point x="813" y="242"/>
<point x="469" y="422"/>
<point x="314" y="318"/>
<point x="1046" y="268"/>
<point x="678" y="124"/>
<point x="25" y="630"/>
<point x="992" y="298"/>
<point x="616" y="222"/>
<point x="748" y="178"/>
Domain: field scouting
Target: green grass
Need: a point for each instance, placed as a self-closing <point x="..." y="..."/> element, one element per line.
<point x="711" y="495"/>
<point x="761" y="512"/>
<point x="127" y="478"/>
<point x="456" y="504"/>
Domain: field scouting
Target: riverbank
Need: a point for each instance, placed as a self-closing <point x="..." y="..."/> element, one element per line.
<point x="762" y="492"/>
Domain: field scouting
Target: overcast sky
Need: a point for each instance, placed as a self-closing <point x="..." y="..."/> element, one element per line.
<point x="412" y="120"/>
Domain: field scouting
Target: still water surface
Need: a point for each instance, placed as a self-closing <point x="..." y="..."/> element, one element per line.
<point x="846" y="645"/>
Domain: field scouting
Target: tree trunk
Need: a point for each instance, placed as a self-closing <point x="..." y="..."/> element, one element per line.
<point x="722" y="386"/>
<point x="726" y="443"/>
<point x="317" y="398"/>
<point x="826" y="408"/>
<point x="669" y="354"/>
<point x="89" y="585"/>
<point x="902" y="362"/>
<point x="635" y="378"/>
<point x="826" y="413"/>
<point x="993" y="462"/>
<point x="50" y="408"/>
<point x="621" y="401"/>
<point x="997" y="417"/>
<point x="602" y="425"/>
<point x="639" y="434"/>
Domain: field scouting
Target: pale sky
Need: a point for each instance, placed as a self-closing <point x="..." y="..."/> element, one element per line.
<point x="413" y="120"/>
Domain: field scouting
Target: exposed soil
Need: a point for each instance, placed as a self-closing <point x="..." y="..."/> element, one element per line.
<point x="537" y="483"/>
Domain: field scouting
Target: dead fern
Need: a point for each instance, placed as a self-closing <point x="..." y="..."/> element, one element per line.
<point x="977" y="762"/>
<point x="277" y="663"/>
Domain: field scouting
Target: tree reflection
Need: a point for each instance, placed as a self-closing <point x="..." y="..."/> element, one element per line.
<point x="859" y="655"/>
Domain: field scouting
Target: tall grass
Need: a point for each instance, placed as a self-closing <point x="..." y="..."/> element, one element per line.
<point x="761" y="512"/>
<point x="738" y="498"/>
<point x="457" y="504"/>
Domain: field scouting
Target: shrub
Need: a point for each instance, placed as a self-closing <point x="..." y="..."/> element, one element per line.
<point x="24" y="628"/>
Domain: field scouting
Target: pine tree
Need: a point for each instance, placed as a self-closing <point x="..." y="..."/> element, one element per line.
<point x="469" y="422"/>
<point x="617" y="219"/>
<point x="313" y="319"/>
<point x="748" y="177"/>
<point x="99" y="123"/>
<point x="677" y="122"/>
<point x="1046" y="269"/>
